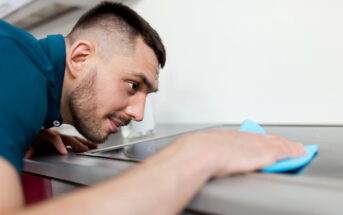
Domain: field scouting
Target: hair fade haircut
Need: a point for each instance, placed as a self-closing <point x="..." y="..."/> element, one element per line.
<point x="138" y="26"/>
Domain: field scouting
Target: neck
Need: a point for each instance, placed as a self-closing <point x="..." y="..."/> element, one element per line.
<point x="65" y="107"/>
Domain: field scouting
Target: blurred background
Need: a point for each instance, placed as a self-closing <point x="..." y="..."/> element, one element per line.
<point x="273" y="61"/>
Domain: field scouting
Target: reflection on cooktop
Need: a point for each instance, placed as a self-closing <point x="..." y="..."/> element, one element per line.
<point x="136" y="152"/>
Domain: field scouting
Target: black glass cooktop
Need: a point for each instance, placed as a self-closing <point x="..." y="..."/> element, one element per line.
<point x="328" y="163"/>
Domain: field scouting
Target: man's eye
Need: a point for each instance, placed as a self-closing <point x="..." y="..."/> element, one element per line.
<point x="133" y="85"/>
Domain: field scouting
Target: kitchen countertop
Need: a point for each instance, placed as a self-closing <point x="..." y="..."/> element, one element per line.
<point x="318" y="189"/>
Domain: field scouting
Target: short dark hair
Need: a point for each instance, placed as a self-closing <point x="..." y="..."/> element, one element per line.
<point x="125" y="15"/>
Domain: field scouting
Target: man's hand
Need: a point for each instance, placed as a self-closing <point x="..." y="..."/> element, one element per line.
<point x="173" y="176"/>
<point x="60" y="141"/>
<point x="231" y="152"/>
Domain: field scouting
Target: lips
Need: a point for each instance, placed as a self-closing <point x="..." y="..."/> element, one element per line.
<point x="114" y="125"/>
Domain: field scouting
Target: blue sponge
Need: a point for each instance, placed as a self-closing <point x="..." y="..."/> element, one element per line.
<point x="286" y="164"/>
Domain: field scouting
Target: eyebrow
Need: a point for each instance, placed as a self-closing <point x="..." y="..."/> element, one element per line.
<point x="146" y="81"/>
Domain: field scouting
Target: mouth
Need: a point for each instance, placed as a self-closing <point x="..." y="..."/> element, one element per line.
<point x="114" y="125"/>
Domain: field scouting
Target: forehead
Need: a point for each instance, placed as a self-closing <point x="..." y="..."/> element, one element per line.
<point x="141" y="62"/>
<point x="145" y="56"/>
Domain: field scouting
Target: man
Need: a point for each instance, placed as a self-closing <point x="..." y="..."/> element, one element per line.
<point x="97" y="79"/>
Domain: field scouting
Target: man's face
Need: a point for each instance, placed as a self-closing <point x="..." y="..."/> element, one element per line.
<point x="113" y="92"/>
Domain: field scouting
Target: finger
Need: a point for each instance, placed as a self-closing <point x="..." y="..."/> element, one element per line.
<point x="90" y="145"/>
<point x="289" y="149"/>
<point x="298" y="149"/>
<point x="43" y="136"/>
<point x="29" y="153"/>
<point x="284" y="147"/>
<point x="293" y="148"/>
<point x="58" y="144"/>
<point x="75" y="144"/>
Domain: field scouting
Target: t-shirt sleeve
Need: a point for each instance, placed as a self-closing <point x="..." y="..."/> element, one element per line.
<point x="23" y="101"/>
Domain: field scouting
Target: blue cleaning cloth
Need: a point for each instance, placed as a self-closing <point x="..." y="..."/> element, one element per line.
<point x="251" y="126"/>
<point x="286" y="164"/>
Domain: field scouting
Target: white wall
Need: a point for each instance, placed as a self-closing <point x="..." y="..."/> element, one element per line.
<point x="273" y="61"/>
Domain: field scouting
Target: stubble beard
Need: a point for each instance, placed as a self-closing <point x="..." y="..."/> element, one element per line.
<point x="83" y="108"/>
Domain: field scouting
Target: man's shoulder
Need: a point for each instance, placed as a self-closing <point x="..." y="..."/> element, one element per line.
<point x="25" y="42"/>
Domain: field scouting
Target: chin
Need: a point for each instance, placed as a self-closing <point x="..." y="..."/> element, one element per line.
<point x="93" y="133"/>
<point x="98" y="140"/>
<point x="95" y="136"/>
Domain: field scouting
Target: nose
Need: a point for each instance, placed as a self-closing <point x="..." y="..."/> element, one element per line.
<point x="136" y="108"/>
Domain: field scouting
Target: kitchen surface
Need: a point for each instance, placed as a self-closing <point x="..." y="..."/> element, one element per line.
<point x="316" y="189"/>
<point x="276" y="62"/>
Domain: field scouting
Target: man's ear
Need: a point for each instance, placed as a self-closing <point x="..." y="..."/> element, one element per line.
<point x="78" y="56"/>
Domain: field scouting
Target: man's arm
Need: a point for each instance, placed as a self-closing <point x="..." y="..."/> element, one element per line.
<point x="165" y="183"/>
<point x="11" y="196"/>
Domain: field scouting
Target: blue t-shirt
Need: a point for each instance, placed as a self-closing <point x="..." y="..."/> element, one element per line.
<point x="31" y="78"/>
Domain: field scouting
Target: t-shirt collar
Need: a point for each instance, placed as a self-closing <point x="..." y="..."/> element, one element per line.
<point x="54" y="46"/>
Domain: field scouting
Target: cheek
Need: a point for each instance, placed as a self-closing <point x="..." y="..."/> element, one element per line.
<point x="111" y="99"/>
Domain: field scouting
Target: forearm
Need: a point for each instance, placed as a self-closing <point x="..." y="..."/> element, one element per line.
<point x="163" y="184"/>
<point x="166" y="182"/>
